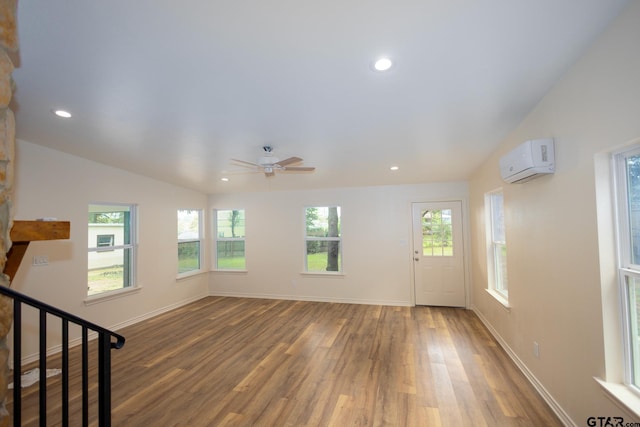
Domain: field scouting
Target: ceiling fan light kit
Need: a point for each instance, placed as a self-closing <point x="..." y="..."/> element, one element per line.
<point x="269" y="164"/>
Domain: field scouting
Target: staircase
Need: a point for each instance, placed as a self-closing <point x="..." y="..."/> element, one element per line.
<point x="107" y="340"/>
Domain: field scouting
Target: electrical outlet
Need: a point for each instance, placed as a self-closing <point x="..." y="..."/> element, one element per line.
<point x="536" y="350"/>
<point x="40" y="260"/>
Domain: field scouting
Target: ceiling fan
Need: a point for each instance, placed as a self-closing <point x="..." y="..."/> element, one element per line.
<point x="269" y="164"/>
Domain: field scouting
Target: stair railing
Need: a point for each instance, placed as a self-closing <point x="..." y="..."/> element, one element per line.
<point x="105" y="344"/>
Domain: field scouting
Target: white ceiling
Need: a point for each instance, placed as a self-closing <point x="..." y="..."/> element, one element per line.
<point x="173" y="90"/>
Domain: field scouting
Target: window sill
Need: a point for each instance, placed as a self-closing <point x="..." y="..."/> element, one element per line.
<point x="189" y="274"/>
<point x="230" y="271"/>
<point x="500" y="298"/>
<point x="323" y="274"/>
<point x="622" y="396"/>
<point x="111" y="295"/>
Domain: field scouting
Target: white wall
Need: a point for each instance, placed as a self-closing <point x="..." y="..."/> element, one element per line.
<point x="376" y="233"/>
<point x="53" y="184"/>
<point x="554" y="265"/>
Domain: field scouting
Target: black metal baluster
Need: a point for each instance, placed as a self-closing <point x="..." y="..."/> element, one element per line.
<point x="43" y="368"/>
<point x="65" y="372"/>
<point x="104" y="380"/>
<point x="85" y="376"/>
<point x="17" y="363"/>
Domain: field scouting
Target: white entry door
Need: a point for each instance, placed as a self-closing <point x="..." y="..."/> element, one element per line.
<point x="438" y="254"/>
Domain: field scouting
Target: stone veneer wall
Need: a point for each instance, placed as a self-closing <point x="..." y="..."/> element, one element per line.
<point x="8" y="44"/>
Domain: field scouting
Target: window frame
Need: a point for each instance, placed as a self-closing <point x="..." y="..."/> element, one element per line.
<point x="307" y="239"/>
<point x="217" y="239"/>
<point x="112" y="239"/>
<point x="130" y="283"/>
<point x="497" y="283"/>
<point x="625" y="268"/>
<point x="199" y="240"/>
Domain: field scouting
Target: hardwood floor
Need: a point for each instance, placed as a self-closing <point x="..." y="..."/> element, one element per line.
<point x="242" y="362"/>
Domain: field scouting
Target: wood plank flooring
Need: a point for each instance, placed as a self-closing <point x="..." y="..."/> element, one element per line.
<point x="251" y="362"/>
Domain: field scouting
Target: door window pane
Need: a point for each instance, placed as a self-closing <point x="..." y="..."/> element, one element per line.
<point x="437" y="232"/>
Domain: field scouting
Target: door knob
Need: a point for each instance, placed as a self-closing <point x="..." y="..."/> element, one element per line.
<point x="417" y="259"/>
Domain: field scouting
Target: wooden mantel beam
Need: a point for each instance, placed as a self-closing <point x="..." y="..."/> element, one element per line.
<point x="24" y="232"/>
<point x="29" y="231"/>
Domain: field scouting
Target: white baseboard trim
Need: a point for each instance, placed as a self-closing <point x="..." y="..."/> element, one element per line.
<point x="311" y="298"/>
<point x="93" y="335"/>
<point x="157" y="312"/>
<point x="542" y="391"/>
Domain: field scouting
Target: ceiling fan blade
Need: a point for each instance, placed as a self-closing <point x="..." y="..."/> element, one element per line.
<point x="289" y="161"/>
<point x="244" y="163"/>
<point x="299" y="168"/>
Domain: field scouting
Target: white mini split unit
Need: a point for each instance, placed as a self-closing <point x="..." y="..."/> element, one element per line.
<point x="528" y="160"/>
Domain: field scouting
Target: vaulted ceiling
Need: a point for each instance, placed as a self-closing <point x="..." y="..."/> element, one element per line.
<point x="175" y="89"/>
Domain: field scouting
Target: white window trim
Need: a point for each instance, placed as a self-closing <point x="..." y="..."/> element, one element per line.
<point x="111" y="295"/>
<point x="625" y="268"/>
<point x="200" y="240"/>
<point x="612" y="382"/>
<point x="622" y="396"/>
<point x="501" y="297"/>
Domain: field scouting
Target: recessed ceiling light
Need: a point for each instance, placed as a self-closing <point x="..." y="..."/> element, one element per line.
<point x="382" y="64"/>
<point x="62" y="113"/>
<point x="224" y="179"/>
<point x="394" y="168"/>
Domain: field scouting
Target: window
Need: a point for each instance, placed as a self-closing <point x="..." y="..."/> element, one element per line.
<point x="437" y="233"/>
<point x="189" y="240"/>
<point x="496" y="243"/>
<point x="111" y="247"/>
<point x="105" y="240"/>
<point x="230" y="235"/>
<point x="627" y="191"/>
<point x="323" y="239"/>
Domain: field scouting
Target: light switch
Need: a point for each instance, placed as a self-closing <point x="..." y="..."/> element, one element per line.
<point x="40" y="260"/>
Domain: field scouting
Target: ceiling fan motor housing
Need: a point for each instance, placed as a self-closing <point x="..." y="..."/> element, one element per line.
<point x="267" y="160"/>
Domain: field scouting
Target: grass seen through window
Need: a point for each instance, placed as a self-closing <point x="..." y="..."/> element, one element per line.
<point x="318" y="262"/>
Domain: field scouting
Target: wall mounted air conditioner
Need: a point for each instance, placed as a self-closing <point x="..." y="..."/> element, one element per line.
<point x="528" y="160"/>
